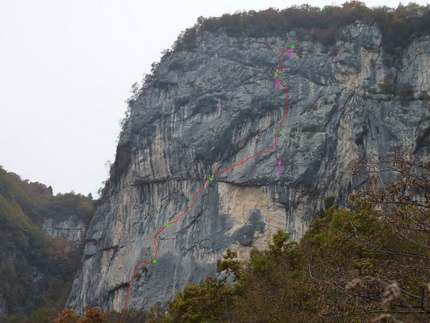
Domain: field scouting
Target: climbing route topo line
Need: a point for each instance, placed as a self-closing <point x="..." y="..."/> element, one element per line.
<point x="154" y="261"/>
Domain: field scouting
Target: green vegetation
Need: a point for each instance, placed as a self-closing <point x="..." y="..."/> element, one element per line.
<point x="36" y="271"/>
<point x="386" y="87"/>
<point x="94" y="315"/>
<point x="108" y="184"/>
<point x="399" y="26"/>
<point x="91" y="315"/>
<point x="38" y="203"/>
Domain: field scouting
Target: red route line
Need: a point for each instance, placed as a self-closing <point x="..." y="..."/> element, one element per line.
<point x="204" y="186"/>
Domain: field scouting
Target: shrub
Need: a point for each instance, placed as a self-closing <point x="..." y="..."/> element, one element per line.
<point x="386" y="87"/>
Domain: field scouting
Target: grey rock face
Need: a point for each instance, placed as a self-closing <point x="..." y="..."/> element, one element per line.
<point x="214" y="107"/>
<point x="3" y="308"/>
<point x="68" y="229"/>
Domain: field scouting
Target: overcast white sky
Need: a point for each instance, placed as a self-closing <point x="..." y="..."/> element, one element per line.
<point x="66" y="67"/>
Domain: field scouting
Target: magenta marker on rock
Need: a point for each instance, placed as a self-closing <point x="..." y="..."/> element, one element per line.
<point x="279" y="168"/>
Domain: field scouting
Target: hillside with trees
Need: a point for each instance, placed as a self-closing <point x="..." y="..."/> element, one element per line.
<point x="36" y="271"/>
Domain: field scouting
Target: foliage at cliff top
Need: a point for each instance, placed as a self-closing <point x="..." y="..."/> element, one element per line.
<point x="399" y="25"/>
<point x="36" y="271"/>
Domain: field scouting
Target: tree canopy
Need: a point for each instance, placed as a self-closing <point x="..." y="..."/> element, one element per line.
<point x="399" y="26"/>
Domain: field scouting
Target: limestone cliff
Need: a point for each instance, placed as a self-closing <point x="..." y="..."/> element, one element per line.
<point x="70" y="229"/>
<point x="213" y="107"/>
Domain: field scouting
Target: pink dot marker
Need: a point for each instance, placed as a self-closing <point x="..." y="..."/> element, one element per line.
<point x="279" y="163"/>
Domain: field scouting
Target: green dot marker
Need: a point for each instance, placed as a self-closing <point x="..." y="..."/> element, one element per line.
<point x="168" y="225"/>
<point x="211" y="179"/>
<point x="154" y="261"/>
<point x="276" y="74"/>
<point x="292" y="46"/>
<point x="280" y="132"/>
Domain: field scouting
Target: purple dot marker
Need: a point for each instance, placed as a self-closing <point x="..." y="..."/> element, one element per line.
<point x="279" y="163"/>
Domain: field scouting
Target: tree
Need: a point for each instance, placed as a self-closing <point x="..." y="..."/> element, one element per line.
<point x="155" y="315"/>
<point x="66" y="316"/>
<point x="91" y="315"/>
<point x="204" y="303"/>
<point x="398" y="191"/>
